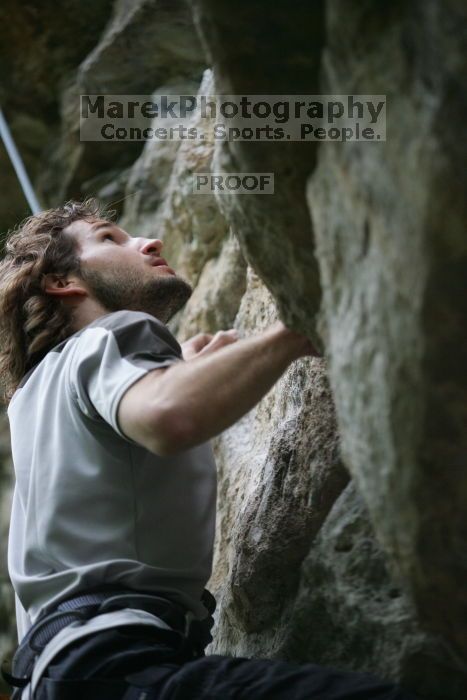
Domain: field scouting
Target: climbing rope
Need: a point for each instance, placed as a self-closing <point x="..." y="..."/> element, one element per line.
<point x="18" y="165"/>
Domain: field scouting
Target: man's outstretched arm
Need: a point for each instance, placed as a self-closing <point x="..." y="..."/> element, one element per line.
<point x="173" y="409"/>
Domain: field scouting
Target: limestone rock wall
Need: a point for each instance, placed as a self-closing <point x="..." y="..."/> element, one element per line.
<point x="341" y="529"/>
<point x="389" y="224"/>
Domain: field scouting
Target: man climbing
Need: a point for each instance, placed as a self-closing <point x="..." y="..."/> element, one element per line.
<point x="113" y="514"/>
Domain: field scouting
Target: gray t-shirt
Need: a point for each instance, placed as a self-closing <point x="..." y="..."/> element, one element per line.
<point x="91" y="506"/>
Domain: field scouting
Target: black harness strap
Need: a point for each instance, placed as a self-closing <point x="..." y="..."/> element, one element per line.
<point x="192" y="640"/>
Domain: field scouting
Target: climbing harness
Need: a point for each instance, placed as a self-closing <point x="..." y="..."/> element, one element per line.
<point x="85" y="615"/>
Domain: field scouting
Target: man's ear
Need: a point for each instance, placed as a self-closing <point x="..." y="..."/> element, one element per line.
<point x="62" y="285"/>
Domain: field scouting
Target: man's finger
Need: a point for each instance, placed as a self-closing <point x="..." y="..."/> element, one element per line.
<point x="220" y="339"/>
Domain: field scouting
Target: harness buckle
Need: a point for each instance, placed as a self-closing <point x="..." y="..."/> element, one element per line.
<point x="7" y="674"/>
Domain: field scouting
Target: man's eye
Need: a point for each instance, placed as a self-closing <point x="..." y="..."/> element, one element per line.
<point x="106" y="236"/>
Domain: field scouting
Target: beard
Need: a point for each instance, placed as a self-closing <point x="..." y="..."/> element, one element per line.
<point x="161" y="296"/>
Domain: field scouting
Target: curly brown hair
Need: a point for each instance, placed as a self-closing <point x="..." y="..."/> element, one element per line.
<point x="32" y="322"/>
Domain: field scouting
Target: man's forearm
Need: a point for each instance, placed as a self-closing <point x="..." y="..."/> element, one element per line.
<point x="209" y="393"/>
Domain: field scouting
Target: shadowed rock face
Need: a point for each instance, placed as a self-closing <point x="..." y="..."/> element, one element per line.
<point x="341" y="529"/>
<point x="389" y="227"/>
<point x="390" y="230"/>
<point x="40" y="48"/>
<point x="50" y="56"/>
<point x="361" y="614"/>
<point x="270" y="50"/>
<point x="146" y="44"/>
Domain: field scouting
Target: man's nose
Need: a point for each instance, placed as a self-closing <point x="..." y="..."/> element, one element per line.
<point x="152" y="245"/>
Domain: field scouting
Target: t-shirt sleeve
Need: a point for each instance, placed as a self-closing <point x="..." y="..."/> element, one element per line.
<point x="111" y="356"/>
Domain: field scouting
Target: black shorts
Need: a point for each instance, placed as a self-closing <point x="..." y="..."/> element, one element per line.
<point x="155" y="671"/>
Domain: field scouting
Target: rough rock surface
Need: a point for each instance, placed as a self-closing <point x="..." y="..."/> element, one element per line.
<point x="291" y="37"/>
<point x="389" y="223"/>
<point x="40" y="48"/>
<point x="341" y="530"/>
<point x="361" y="615"/>
<point x="146" y="44"/>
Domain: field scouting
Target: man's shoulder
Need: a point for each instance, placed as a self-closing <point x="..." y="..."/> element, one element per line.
<point x="130" y="327"/>
<point x="130" y="331"/>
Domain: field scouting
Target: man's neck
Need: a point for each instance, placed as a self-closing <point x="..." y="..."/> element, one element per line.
<point x="87" y="312"/>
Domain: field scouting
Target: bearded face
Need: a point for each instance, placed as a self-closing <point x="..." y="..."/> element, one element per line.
<point x="160" y="296"/>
